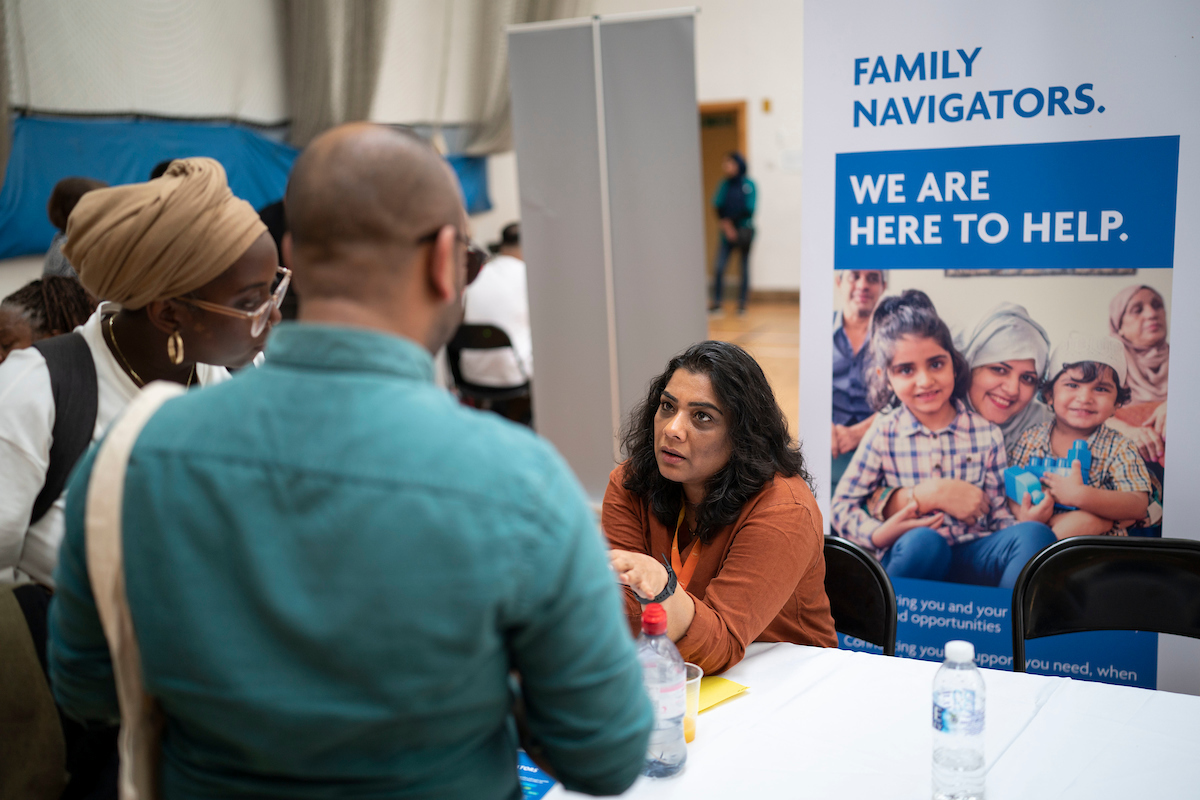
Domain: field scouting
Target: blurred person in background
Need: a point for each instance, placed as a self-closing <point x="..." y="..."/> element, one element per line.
<point x="274" y="217"/>
<point x="328" y="602"/>
<point x="735" y="201"/>
<point x="1137" y="317"/>
<point x="500" y="297"/>
<point x="40" y="309"/>
<point x="63" y="198"/>
<point x="160" y="169"/>
<point x="859" y="292"/>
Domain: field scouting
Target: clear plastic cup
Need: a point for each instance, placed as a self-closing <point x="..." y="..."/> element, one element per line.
<point x="693" y="674"/>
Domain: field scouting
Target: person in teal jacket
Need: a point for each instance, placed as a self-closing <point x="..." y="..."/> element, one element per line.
<point x="339" y="577"/>
<point x="734" y="202"/>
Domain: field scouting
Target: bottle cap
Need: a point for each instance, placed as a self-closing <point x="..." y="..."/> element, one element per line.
<point x="654" y="620"/>
<point x="960" y="651"/>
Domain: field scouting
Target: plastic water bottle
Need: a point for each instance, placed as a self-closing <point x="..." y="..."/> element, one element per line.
<point x="958" y="717"/>
<point x="666" y="683"/>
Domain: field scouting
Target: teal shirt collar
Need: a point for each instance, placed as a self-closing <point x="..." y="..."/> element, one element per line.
<point x="334" y="347"/>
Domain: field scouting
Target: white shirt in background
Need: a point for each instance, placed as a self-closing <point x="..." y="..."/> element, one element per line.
<point x="499" y="297"/>
<point x="26" y="426"/>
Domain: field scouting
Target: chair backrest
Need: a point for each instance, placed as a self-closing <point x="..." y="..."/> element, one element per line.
<point x="480" y="337"/>
<point x="861" y="597"/>
<point x="1094" y="583"/>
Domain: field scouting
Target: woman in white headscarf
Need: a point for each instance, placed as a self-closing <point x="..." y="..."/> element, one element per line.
<point x="1007" y="353"/>
<point x="1137" y="316"/>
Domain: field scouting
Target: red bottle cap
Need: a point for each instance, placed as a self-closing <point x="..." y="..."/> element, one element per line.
<point x="654" y="620"/>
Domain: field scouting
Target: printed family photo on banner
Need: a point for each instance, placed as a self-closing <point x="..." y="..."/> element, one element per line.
<point x="1022" y="375"/>
<point x="999" y="377"/>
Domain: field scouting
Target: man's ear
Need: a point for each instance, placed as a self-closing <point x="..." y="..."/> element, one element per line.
<point x="443" y="265"/>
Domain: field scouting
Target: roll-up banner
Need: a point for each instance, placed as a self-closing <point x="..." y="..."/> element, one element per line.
<point x="606" y="132"/>
<point x="999" y="254"/>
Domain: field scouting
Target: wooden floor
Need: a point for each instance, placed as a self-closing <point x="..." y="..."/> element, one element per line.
<point x="770" y="331"/>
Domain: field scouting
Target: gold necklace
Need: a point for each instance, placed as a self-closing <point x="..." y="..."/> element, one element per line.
<point x="112" y="337"/>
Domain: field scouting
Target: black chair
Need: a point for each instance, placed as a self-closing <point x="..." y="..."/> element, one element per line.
<point x="861" y="597"/>
<point x="483" y="337"/>
<point x="1101" y="583"/>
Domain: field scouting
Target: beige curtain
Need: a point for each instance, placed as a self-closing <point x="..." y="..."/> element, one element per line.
<point x="366" y="22"/>
<point x="333" y="50"/>
<point x="494" y="131"/>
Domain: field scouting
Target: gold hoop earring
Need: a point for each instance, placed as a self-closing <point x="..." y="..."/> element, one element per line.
<point x="175" y="348"/>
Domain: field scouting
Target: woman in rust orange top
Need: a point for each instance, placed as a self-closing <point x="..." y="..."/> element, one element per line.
<point x="711" y="515"/>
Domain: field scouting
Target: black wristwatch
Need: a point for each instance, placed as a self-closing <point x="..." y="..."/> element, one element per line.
<point x="667" y="591"/>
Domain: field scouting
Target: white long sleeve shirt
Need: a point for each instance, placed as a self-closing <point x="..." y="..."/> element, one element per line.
<point x="500" y="297"/>
<point x="26" y="427"/>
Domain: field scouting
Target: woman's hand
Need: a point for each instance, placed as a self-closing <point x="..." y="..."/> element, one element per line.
<point x="646" y="576"/>
<point x="847" y="437"/>
<point x="1158" y="419"/>
<point x="901" y="523"/>
<point x="1146" y="437"/>
<point x="963" y="501"/>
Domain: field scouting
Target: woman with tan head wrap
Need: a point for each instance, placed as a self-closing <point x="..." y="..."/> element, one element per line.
<point x="1137" y="317"/>
<point x="191" y="285"/>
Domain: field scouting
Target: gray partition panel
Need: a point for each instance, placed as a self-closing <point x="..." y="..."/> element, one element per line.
<point x="656" y="194"/>
<point x="556" y="141"/>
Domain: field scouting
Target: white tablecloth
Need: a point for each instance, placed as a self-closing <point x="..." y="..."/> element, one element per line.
<point x="831" y="723"/>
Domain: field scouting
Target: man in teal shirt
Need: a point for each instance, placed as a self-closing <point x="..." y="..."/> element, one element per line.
<point x="332" y="567"/>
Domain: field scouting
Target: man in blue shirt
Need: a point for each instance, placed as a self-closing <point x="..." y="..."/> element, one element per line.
<point x="338" y="575"/>
<point x="858" y="292"/>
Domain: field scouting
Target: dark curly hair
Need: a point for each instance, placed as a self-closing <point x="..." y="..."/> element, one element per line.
<point x="758" y="429"/>
<point x="910" y="314"/>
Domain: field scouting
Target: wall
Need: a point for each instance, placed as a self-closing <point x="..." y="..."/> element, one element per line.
<point x="410" y="71"/>
<point x="1059" y="303"/>
<point x="176" y="58"/>
<point x="506" y="208"/>
<point x="752" y="51"/>
<point x="16" y="272"/>
<point x="229" y="64"/>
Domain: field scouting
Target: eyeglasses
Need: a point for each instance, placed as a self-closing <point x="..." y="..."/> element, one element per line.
<point x="260" y="316"/>
<point x="477" y="256"/>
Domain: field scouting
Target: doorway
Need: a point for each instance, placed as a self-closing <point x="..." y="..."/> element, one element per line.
<point x="722" y="129"/>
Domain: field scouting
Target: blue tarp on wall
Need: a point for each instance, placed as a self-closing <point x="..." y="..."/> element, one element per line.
<point x="473" y="178"/>
<point x="124" y="150"/>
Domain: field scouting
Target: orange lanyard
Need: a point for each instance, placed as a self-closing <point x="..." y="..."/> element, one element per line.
<point x="684" y="571"/>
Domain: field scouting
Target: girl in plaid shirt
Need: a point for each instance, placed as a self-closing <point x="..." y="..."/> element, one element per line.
<point x="942" y="462"/>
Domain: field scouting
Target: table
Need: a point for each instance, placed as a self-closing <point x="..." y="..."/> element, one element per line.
<point x="819" y="723"/>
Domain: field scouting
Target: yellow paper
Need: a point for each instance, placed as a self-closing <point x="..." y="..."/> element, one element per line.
<point x="714" y="690"/>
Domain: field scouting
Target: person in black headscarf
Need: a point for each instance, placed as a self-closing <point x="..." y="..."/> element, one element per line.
<point x="734" y="202"/>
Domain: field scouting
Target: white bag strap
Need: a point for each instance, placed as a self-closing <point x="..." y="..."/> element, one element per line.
<point x="141" y="719"/>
